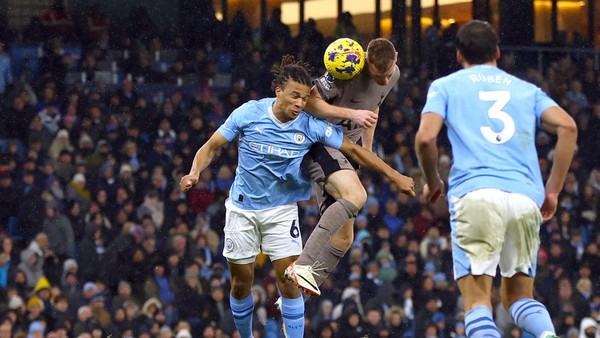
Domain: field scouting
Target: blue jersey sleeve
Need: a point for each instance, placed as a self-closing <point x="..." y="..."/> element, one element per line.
<point x="326" y="133"/>
<point x="233" y="125"/>
<point x="436" y="100"/>
<point x="542" y="102"/>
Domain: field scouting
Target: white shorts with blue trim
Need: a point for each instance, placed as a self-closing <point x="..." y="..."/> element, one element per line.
<point x="491" y="227"/>
<point x="275" y="231"/>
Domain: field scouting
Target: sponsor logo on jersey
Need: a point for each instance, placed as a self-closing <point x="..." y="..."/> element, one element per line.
<point x="326" y="84"/>
<point x="270" y="149"/>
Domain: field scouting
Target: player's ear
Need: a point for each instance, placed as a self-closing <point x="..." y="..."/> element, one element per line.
<point x="497" y="54"/>
<point x="459" y="57"/>
<point x="278" y="90"/>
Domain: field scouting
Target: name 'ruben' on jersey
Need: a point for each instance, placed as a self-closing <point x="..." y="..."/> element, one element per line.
<point x="492" y="125"/>
<point x="270" y="154"/>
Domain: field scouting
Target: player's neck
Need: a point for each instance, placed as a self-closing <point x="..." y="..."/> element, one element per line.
<point x="279" y="113"/>
<point x="470" y="65"/>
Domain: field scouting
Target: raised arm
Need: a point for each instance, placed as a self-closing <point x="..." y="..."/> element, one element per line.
<point x="556" y="121"/>
<point x="368" y="160"/>
<point x="202" y="159"/>
<point x="318" y="107"/>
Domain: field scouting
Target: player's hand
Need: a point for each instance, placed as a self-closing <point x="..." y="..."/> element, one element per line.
<point x="187" y="182"/>
<point x="549" y="206"/>
<point x="364" y="118"/>
<point x="406" y="184"/>
<point x="432" y="192"/>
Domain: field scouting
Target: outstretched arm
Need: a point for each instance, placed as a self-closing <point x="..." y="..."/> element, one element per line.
<point x="368" y="160"/>
<point x="202" y="159"/>
<point x="556" y="121"/>
<point x="318" y="107"/>
<point x="427" y="152"/>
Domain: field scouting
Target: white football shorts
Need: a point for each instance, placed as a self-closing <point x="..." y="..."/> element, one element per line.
<point x="491" y="227"/>
<point x="275" y="231"/>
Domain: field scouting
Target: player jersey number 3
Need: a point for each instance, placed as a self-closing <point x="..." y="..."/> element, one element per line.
<point x="499" y="98"/>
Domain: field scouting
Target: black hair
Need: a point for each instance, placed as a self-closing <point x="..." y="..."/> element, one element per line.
<point x="477" y="42"/>
<point x="290" y="69"/>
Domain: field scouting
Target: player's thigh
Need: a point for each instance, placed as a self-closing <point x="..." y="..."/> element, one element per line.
<point x="478" y="230"/>
<point x="280" y="229"/>
<point x="522" y="241"/>
<point x="333" y="177"/>
<point x="242" y="238"/>
<point x="347" y="185"/>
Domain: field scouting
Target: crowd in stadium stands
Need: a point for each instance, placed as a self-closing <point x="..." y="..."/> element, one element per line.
<point x="98" y="240"/>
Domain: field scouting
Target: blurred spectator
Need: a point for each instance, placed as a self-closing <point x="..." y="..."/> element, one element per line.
<point x="58" y="22"/>
<point x="34" y="30"/>
<point x="91" y="254"/>
<point x="345" y="27"/>
<point x="373" y="322"/>
<point x="569" y="301"/>
<point x="432" y="42"/>
<point x="8" y="200"/>
<point x="141" y="26"/>
<point x="6" y="76"/>
<point x="588" y="328"/>
<point x="32" y="259"/>
<point x="17" y="117"/>
<point x="274" y="28"/>
<point x="576" y="96"/>
<point x="350" y="325"/>
<point x="97" y="25"/>
<point x="160" y="285"/>
<point x="59" y="231"/>
<point x="396" y="321"/>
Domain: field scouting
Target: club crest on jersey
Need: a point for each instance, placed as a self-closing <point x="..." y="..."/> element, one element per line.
<point x="299" y="138"/>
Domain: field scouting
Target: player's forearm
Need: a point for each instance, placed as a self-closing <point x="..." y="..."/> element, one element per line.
<point x="367" y="138"/>
<point x="367" y="159"/>
<point x="563" y="154"/>
<point x="202" y="159"/>
<point x="317" y="107"/>
<point x="427" y="154"/>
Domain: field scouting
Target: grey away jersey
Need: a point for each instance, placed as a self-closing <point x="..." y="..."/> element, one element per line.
<point x="358" y="93"/>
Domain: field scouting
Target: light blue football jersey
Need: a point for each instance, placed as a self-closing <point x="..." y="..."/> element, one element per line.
<point x="491" y="117"/>
<point x="270" y="153"/>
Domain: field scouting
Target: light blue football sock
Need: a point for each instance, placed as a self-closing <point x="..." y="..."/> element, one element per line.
<point x="532" y="317"/>
<point x="242" y="310"/>
<point x="479" y="323"/>
<point x="292" y="311"/>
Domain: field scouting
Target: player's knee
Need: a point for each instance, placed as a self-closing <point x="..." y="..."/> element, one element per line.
<point x="240" y="289"/>
<point x="358" y="197"/>
<point x="351" y="191"/>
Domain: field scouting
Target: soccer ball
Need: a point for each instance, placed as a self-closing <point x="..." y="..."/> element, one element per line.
<point x="344" y="58"/>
